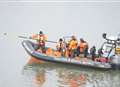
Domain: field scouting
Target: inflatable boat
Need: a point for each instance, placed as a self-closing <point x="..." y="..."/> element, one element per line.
<point x="31" y="49"/>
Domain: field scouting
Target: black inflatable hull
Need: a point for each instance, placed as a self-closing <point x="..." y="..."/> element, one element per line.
<point x="31" y="47"/>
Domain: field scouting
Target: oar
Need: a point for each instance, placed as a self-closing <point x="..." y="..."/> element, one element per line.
<point x="7" y="34"/>
<point x="35" y="39"/>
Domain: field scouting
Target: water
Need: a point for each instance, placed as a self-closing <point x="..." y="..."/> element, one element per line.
<point x="17" y="69"/>
<point x="58" y="75"/>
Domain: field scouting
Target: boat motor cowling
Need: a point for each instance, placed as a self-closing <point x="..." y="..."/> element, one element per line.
<point x="115" y="61"/>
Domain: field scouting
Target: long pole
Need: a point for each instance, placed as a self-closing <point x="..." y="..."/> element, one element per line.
<point x="35" y="39"/>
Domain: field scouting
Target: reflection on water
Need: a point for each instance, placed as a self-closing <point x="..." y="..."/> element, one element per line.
<point x="39" y="78"/>
<point x="43" y="74"/>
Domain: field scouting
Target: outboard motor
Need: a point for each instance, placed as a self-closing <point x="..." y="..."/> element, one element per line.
<point x="115" y="61"/>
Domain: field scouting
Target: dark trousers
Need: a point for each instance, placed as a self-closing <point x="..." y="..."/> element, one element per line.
<point x="93" y="56"/>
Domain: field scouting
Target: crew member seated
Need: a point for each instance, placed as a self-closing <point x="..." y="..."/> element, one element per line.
<point x="60" y="48"/>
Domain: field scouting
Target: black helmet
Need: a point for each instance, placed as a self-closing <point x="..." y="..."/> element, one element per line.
<point x="60" y="39"/>
<point x="82" y="40"/>
<point x="40" y="32"/>
<point x="93" y="46"/>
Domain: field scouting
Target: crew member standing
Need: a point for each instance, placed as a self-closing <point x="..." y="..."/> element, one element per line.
<point x="73" y="46"/>
<point x="60" y="46"/>
<point x="41" y="38"/>
<point x="93" y="52"/>
<point x="83" y="47"/>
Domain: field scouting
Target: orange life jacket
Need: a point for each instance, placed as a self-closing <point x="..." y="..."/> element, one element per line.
<point x="73" y="44"/>
<point x="57" y="54"/>
<point x="49" y="52"/>
<point x="83" y="45"/>
<point x="40" y="38"/>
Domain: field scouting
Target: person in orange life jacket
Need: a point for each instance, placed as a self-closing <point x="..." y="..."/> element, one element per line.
<point x="82" y="48"/>
<point x="60" y="45"/>
<point x="41" y="38"/>
<point x="73" y="46"/>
